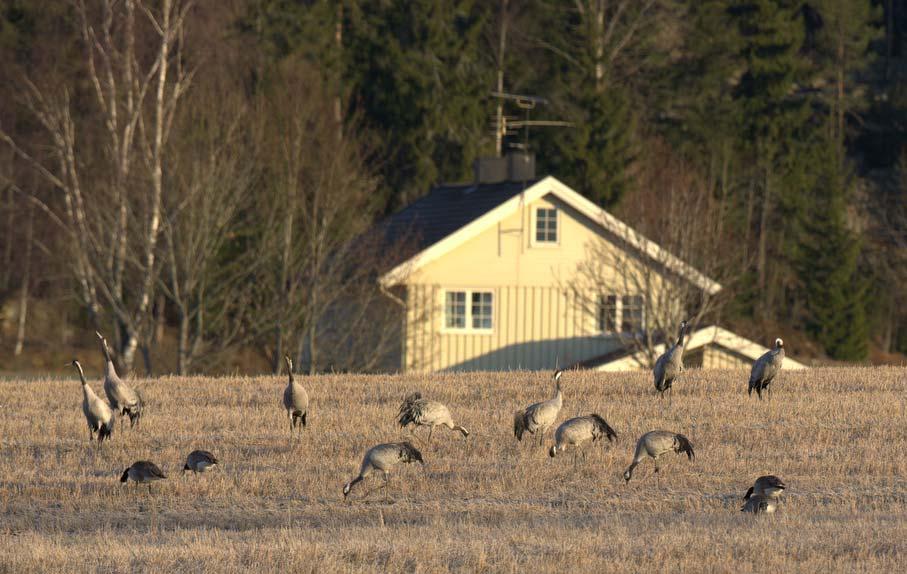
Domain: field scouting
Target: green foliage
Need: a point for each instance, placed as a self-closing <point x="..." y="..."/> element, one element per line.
<point x="415" y="69"/>
<point x="594" y="156"/>
<point x="834" y="287"/>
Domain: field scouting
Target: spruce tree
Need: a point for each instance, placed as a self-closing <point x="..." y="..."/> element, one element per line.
<point x="834" y="287"/>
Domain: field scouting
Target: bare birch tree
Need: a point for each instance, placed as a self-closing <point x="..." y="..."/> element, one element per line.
<point x="676" y="245"/>
<point x="319" y="201"/>
<point x="111" y="180"/>
<point x="213" y="177"/>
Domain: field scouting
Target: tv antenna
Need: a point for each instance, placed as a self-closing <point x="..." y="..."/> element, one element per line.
<point x="510" y="125"/>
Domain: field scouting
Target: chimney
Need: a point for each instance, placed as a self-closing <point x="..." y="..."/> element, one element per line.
<point x="515" y="166"/>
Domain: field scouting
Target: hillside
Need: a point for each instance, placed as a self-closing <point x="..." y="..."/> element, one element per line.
<point x="486" y="503"/>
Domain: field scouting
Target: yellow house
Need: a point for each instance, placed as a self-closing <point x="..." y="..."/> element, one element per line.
<point x="491" y="285"/>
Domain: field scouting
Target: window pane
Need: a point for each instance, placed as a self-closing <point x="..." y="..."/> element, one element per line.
<point x="546" y="225"/>
<point x="455" y="310"/>
<point x="482" y="311"/>
<point x="607" y="313"/>
<point x="632" y="314"/>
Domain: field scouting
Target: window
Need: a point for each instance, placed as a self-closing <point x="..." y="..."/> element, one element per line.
<point x="481" y="310"/>
<point x="455" y="310"/>
<point x="477" y="316"/>
<point x="546" y="225"/>
<point x="621" y="314"/>
<point x="632" y="315"/>
<point x="607" y="313"/>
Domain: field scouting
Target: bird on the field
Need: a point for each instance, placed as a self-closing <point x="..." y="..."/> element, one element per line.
<point x="538" y="418"/>
<point x="760" y="504"/>
<point x="769" y="485"/>
<point x="669" y="365"/>
<point x="200" y="461"/>
<point x="143" y="472"/>
<point x="578" y="430"/>
<point x="295" y="400"/>
<point x="655" y="443"/>
<point x="383" y="457"/>
<point x="124" y="400"/>
<point x="98" y="415"/>
<point x="766" y="368"/>
<point x="427" y="413"/>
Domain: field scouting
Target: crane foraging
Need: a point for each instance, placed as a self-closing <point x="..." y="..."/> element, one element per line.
<point x="655" y="443"/>
<point x="200" y="461"/>
<point x="424" y="412"/>
<point x="384" y="457"/>
<point x="536" y="419"/>
<point x="143" y="472"/>
<point x="578" y="430"/>
<point x="768" y="485"/>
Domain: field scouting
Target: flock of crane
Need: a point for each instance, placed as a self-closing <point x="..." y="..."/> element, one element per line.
<point x="417" y="411"/>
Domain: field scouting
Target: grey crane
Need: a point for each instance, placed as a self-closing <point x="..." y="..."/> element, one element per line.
<point x="427" y="413"/>
<point x="143" y="472"/>
<point x="578" y="430"/>
<point x="124" y="400"/>
<point x="766" y="368"/>
<point x="768" y="485"/>
<point x="295" y="400"/>
<point x="384" y="457"/>
<point x="536" y="419"/>
<point x="200" y="461"/>
<point x="670" y="364"/>
<point x="655" y="443"/>
<point x="97" y="413"/>
<point x="760" y="504"/>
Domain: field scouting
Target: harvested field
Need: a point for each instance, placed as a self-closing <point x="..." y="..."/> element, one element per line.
<point x="837" y="436"/>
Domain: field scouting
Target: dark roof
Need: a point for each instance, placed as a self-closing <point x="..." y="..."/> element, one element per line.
<point x="446" y="209"/>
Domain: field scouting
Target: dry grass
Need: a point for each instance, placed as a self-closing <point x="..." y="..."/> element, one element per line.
<point x="837" y="436"/>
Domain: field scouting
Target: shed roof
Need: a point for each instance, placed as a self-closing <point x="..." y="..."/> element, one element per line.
<point x="627" y="359"/>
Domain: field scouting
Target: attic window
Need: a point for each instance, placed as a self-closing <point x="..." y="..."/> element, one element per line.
<point x="546" y="225"/>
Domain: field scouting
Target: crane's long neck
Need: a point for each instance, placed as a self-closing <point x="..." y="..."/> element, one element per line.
<point x="109" y="368"/>
<point x="87" y="393"/>
<point x="680" y="337"/>
<point x="81" y="375"/>
<point x="558" y="395"/>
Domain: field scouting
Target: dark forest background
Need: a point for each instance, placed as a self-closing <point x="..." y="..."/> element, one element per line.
<point x="187" y="176"/>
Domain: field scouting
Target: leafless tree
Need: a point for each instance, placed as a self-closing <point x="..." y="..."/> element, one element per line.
<point x="213" y="174"/>
<point x="318" y="200"/>
<point x="111" y="180"/>
<point x="678" y="222"/>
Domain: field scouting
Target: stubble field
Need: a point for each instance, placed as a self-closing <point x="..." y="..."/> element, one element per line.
<point x="838" y="437"/>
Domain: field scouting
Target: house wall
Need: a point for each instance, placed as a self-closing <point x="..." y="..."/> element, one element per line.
<point x="538" y="317"/>
<point x="715" y="357"/>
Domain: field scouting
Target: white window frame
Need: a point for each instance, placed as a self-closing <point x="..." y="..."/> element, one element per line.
<point x="618" y="314"/>
<point x="557" y="226"/>
<point x="469" y="317"/>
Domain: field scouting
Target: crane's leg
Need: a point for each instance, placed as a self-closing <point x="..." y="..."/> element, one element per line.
<point x="431" y="429"/>
<point x="574" y="457"/>
<point x="541" y="437"/>
<point x="386" y="481"/>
